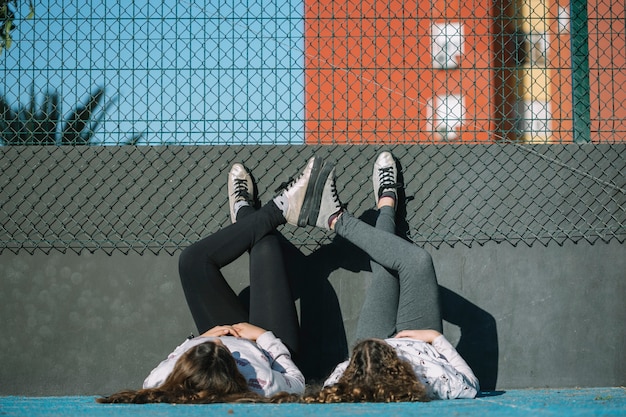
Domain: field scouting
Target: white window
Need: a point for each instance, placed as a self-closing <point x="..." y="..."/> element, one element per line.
<point x="563" y="19"/>
<point x="447" y="44"/>
<point x="445" y="115"/>
<point x="534" y="117"/>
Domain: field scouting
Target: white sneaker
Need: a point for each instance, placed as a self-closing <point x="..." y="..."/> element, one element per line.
<point x="240" y="190"/>
<point x="296" y="198"/>
<point x="385" y="176"/>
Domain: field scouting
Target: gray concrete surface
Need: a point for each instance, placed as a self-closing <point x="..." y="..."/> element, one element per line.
<point x="523" y="316"/>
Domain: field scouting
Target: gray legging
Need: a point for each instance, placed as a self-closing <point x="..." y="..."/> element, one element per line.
<point x="392" y="303"/>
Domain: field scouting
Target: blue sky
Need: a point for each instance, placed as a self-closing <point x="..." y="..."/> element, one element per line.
<point x="179" y="72"/>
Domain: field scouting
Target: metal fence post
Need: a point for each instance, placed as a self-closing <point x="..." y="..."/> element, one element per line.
<point x="580" y="71"/>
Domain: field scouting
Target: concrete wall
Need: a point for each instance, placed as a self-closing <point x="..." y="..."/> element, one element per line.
<point x="522" y="315"/>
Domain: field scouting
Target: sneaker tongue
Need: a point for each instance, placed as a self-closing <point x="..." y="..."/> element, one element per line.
<point x="332" y="218"/>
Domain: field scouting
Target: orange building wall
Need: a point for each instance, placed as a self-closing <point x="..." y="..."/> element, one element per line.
<point x="560" y="63"/>
<point x="607" y="70"/>
<point x="370" y="78"/>
<point x="369" y="73"/>
<point x="607" y="73"/>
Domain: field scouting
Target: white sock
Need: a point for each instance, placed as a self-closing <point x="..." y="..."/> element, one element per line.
<point x="282" y="203"/>
<point x="238" y="205"/>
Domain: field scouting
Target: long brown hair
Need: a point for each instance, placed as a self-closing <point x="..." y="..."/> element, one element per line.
<point x="375" y="374"/>
<point x="206" y="373"/>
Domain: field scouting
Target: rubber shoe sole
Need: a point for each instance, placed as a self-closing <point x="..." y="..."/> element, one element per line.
<point x="316" y="200"/>
<point x="309" y="194"/>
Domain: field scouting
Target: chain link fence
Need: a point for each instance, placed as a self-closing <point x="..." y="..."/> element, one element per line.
<point x="119" y="120"/>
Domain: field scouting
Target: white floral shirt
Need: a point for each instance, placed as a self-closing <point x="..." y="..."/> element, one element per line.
<point x="266" y="364"/>
<point x="439" y="367"/>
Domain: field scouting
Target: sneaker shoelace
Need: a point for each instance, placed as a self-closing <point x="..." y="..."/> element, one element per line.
<point x="334" y="194"/>
<point x="340" y="206"/>
<point x="241" y="192"/>
<point x="284" y="185"/>
<point x="386" y="177"/>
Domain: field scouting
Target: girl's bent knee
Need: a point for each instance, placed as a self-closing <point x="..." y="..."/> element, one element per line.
<point x="420" y="258"/>
<point x="189" y="258"/>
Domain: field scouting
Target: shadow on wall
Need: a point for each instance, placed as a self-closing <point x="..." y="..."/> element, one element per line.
<point x="478" y="344"/>
<point x="323" y="337"/>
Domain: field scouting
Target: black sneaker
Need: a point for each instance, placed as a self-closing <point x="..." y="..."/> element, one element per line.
<point x="240" y="189"/>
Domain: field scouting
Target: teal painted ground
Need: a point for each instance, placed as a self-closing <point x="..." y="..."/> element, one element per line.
<point x="541" y="402"/>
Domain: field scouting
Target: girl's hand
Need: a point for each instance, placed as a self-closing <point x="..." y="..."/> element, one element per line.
<point x="218" y="331"/>
<point x="248" y="331"/>
<point x="424" y="335"/>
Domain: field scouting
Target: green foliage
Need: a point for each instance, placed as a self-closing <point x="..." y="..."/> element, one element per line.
<point x="41" y="125"/>
<point x="8" y="10"/>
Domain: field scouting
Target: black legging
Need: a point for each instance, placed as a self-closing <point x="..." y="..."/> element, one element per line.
<point x="213" y="302"/>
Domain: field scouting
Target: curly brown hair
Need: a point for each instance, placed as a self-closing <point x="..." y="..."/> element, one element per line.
<point x="375" y="373"/>
<point x="206" y="373"/>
